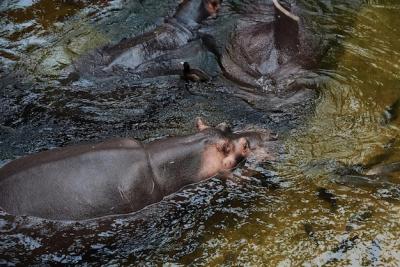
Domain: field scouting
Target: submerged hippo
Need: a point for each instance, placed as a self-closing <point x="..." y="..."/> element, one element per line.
<point x="143" y="53"/>
<point x="270" y="48"/>
<point x="120" y="175"/>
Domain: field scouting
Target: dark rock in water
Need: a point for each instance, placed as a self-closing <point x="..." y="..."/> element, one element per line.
<point x="337" y="253"/>
<point x="264" y="178"/>
<point x="391" y="113"/>
<point x="327" y="196"/>
<point x="379" y="174"/>
<point x="358" y="218"/>
<point x="309" y="229"/>
<point x="389" y="193"/>
<point x="366" y="176"/>
<point x="267" y="181"/>
<point x="361" y="181"/>
<point x="384" y="169"/>
<point x="382" y="186"/>
<point x="346" y="244"/>
<point x="343" y="170"/>
<point x="6" y="129"/>
<point x="71" y="77"/>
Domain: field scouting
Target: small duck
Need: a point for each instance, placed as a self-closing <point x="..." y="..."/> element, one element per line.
<point x="194" y="75"/>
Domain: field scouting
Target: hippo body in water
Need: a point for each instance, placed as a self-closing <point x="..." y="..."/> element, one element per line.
<point x="268" y="53"/>
<point x="271" y="49"/>
<point x="144" y="53"/>
<point x="117" y="176"/>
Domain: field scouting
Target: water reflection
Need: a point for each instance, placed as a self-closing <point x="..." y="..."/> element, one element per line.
<point x="289" y="213"/>
<point x="349" y="130"/>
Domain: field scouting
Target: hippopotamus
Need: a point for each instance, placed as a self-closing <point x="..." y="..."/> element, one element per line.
<point x="119" y="175"/>
<point x="142" y="54"/>
<point x="270" y="49"/>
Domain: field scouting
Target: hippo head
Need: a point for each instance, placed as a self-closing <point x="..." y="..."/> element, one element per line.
<point x="260" y="142"/>
<point x="224" y="150"/>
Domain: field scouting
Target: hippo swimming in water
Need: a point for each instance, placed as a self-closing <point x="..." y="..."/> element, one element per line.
<point x="120" y="175"/>
<point x="138" y="54"/>
<point x="270" y="48"/>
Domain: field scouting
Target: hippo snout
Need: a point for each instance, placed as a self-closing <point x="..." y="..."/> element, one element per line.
<point x="229" y="163"/>
<point x="232" y="162"/>
<point x="259" y="144"/>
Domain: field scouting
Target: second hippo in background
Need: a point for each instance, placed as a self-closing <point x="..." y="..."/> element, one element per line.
<point x="119" y="176"/>
<point x="145" y="53"/>
<point x="270" y="48"/>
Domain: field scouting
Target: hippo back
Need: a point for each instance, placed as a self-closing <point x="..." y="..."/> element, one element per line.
<point x="78" y="182"/>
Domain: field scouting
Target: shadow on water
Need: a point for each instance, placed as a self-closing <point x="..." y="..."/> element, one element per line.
<point x="287" y="213"/>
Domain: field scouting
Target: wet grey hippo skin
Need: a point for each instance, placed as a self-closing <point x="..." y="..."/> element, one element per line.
<point x="267" y="48"/>
<point x="145" y="53"/>
<point x="120" y="175"/>
<point x="268" y="54"/>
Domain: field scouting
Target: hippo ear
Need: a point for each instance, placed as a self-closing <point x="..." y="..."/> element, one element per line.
<point x="244" y="143"/>
<point x="224" y="127"/>
<point x="200" y="124"/>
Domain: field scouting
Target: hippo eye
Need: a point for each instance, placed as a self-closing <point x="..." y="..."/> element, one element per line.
<point x="227" y="149"/>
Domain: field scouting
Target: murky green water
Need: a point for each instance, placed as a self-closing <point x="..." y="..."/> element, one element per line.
<point x="298" y="211"/>
<point x="349" y="127"/>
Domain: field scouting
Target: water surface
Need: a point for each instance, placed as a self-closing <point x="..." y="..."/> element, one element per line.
<point x="300" y="210"/>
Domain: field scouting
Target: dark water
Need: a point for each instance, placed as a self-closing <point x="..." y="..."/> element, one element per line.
<point x="299" y="210"/>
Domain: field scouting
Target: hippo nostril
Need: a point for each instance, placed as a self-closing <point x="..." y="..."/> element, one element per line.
<point x="239" y="159"/>
<point x="230" y="163"/>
